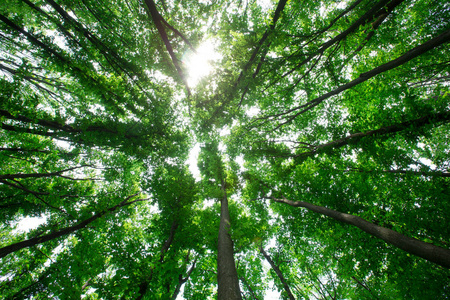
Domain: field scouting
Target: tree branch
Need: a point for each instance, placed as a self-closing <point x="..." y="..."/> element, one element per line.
<point x="430" y="252"/>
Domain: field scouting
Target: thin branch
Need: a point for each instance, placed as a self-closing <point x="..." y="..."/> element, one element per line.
<point x="65" y="231"/>
<point x="157" y="19"/>
<point x="408" y="56"/>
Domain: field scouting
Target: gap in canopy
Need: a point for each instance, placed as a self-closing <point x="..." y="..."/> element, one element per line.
<point x="200" y="63"/>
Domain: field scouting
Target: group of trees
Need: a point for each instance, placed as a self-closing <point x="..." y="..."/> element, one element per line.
<point x="324" y="161"/>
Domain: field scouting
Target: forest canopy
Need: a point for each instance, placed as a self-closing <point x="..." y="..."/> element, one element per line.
<point x="164" y="149"/>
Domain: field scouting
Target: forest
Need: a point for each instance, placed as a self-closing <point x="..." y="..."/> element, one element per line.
<point x="242" y="149"/>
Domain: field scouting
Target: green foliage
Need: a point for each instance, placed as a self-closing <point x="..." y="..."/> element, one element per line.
<point x="95" y="114"/>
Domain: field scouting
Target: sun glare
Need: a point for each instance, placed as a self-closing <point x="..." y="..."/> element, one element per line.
<point x="199" y="64"/>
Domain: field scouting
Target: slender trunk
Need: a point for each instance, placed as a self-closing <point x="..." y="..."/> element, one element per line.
<point x="227" y="278"/>
<point x="104" y="49"/>
<point x="280" y="7"/>
<point x="21" y="293"/>
<point x="407" y="172"/>
<point x="38" y="175"/>
<point x="65" y="231"/>
<point x="430" y="252"/>
<point x="360" y="283"/>
<point x="178" y="287"/>
<point x="54" y="125"/>
<point x="278" y="272"/>
<point x="254" y="297"/>
<point x="24" y="150"/>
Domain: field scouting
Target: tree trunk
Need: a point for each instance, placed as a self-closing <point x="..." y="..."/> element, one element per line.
<point x="38" y="175"/>
<point x="430" y="252"/>
<point x="158" y="19"/>
<point x="227" y="278"/>
<point x="65" y="231"/>
<point x="278" y="272"/>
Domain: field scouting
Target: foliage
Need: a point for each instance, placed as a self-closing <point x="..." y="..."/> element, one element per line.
<point x="341" y="104"/>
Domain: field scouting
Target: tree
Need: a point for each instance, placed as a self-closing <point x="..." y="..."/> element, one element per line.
<point x="323" y="135"/>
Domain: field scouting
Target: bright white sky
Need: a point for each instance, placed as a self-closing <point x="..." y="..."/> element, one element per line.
<point x="28" y="223"/>
<point x="199" y="64"/>
<point x="192" y="161"/>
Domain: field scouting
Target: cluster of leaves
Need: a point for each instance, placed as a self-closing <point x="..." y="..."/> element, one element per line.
<point x="338" y="105"/>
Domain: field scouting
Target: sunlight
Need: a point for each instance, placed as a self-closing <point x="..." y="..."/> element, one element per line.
<point x="199" y="64"/>
<point x="28" y="223"/>
<point x="192" y="162"/>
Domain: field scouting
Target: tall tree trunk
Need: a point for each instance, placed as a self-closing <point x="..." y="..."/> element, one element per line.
<point x="227" y="278"/>
<point x="278" y="272"/>
<point x="430" y="252"/>
<point x="65" y="231"/>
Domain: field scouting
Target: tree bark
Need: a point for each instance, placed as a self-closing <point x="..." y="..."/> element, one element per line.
<point x="430" y="252"/>
<point x="278" y="272"/>
<point x="227" y="278"/>
<point x="65" y="231"/>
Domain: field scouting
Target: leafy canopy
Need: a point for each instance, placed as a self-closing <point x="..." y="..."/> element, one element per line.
<point x="340" y="104"/>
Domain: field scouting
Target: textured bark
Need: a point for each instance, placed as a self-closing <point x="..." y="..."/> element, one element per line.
<point x="430" y="252"/>
<point x="278" y="272"/>
<point x="65" y="231"/>
<point x="227" y="278"/>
